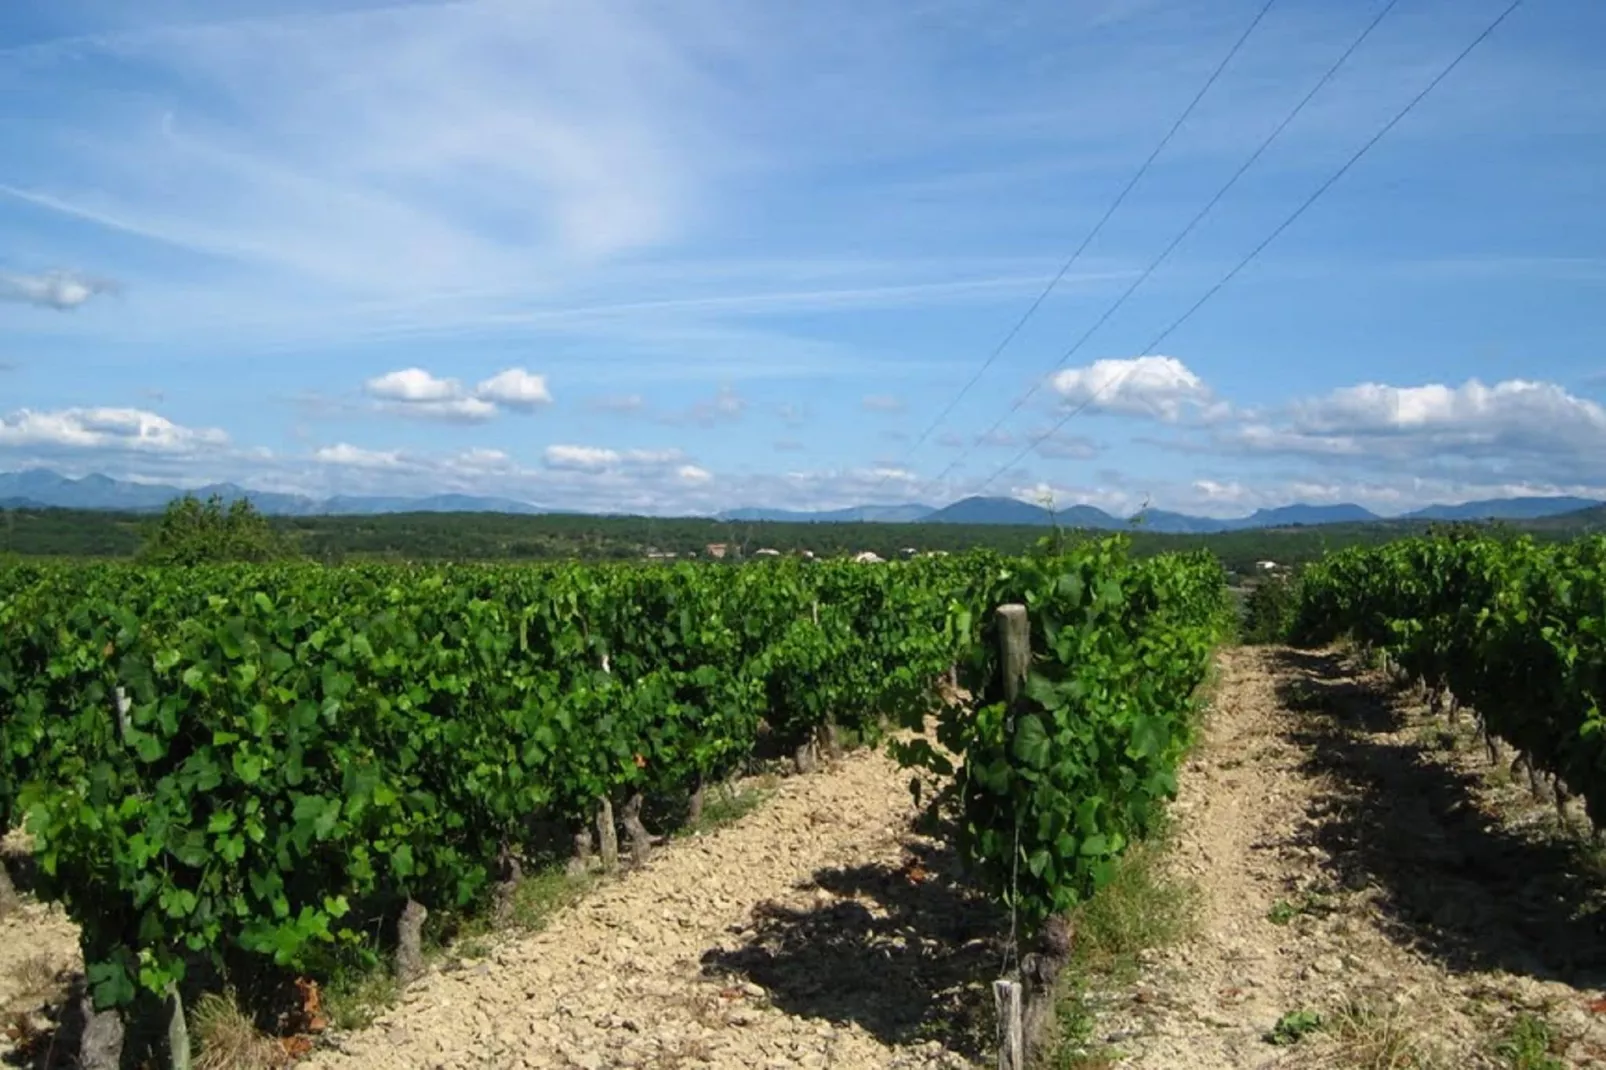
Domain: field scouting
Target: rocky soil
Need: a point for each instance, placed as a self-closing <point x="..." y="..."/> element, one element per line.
<point x="818" y="931"/>
<point x="1363" y="859"/>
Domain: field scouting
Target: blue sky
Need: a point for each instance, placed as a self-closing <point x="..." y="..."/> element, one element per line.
<point x="681" y="257"/>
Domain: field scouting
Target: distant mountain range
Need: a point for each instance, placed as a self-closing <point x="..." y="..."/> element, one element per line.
<point x="1012" y="511"/>
<point x="42" y="488"/>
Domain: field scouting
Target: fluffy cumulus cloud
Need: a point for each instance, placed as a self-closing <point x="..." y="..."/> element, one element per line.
<point x="1517" y="429"/>
<point x="414" y="392"/>
<point x="1159" y="388"/>
<point x="61" y="290"/>
<point x="104" y="429"/>
<point x="516" y="389"/>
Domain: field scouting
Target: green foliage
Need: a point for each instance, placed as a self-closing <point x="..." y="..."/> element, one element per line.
<point x="250" y="767"/>
<point x="192" y="532"/>
<point x="1527" y="1045"/>
<point x="1269" y="611"/>
<point x="1055" y="788"/>
<point x="1513" y="628"/>
<point x="1293" y="1027"/>
<point x="299" y="750"/>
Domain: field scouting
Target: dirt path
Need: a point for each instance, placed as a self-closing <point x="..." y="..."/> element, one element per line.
<point x="1361" y="859"/>
<point x="817" y="931"/>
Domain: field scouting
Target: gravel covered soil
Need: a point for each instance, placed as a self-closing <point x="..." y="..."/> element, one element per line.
<point x="818" y="931"/>
<point x="1363" y="859"/>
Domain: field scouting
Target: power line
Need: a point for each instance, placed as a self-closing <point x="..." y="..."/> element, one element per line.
<point x="1276" y="232"/>
<point x="1065" y="268"/>
<point x="1326" y="77"/>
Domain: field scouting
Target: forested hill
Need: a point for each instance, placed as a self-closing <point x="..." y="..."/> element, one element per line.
<point x="504" y="537"/>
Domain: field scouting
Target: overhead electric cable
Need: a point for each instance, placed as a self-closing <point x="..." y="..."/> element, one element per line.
<point x="1278" y="230"/>
<point x="1098" y="227"/>
<point x="1165" y="253"/>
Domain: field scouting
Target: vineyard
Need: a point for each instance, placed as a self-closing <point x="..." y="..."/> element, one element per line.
<point x="1513" y="629"/>
<point x="233" y="773"/>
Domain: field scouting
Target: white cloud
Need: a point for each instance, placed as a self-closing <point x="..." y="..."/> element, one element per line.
<point x="998" y="438"/>
<point x="413" y="384"/>
<point x="118" y="429"/>
<point x="349" y="456"/>
<point x="1160" y="388"/>
<point x="56" y="289"/>
<point x="414" y="392"/>
<point x="882" y="403"/>
<point x="581" y="458"/>
<point x="1515" y="430"/>
<point x="652" y="457"/>
<point x="690" y="473"/>
<point x="515" y="388"/>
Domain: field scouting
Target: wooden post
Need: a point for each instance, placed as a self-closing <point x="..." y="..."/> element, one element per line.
<point x="1011" y="1033"/>
<point x="120" y="701"/>
<point x="178" y="1032"/>
<point x="100" y="1046"/>
<point x="1014" y="649"/>
<point x="607" y="835"/>
<point x="410" y="942"/>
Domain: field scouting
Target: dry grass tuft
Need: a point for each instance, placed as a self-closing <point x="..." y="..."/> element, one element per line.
<point x="227" y="1038"/>
<point x="1374" y="1034"/>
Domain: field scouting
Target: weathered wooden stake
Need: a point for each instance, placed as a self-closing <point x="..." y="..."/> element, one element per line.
<point x="1014" y="650"/>
<point x="507" y="887"/>
<point x="1040" y="972"/>
<point x="178" y="1032"/>
<point x="607" y="835"/>
<point x="410" y="942"/>
<point x="101" y="1045"/>
<point x="1011" y="1034"/>
<point x="120" y="701"/>
<point x="828" y="740"/>
<point x="694" y="805"/>
<point x="585" y="852"/>
<point x="640" y="838"/>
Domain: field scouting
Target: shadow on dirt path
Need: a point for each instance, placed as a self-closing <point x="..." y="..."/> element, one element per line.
<point x="1457" y="883"/>
<point x="905" y="951"/>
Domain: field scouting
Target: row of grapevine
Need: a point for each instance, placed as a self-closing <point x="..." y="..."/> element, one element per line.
<point x="300" y="750"/>
<point x="1056" y="785"/>
<point x="1514" y="629"/>
<point x="234" y="766"/>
